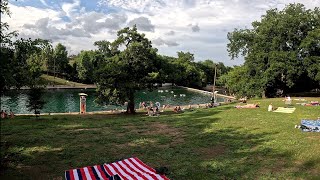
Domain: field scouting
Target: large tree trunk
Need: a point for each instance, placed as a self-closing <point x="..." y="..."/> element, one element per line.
<point x="130" y="108"/>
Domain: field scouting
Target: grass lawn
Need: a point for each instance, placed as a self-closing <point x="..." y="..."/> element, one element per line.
<point x="218" y="143"/>
<point x="51" y="80"/>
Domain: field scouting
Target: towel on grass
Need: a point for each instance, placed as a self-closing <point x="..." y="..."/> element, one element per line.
<point x="284" y="110"/>
<point x="310" y="125"/>
<point x="127" y="169"/>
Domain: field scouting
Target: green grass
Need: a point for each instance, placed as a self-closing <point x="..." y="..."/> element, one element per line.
<point x="218" y="143"/>
<point x="51" y="80"/>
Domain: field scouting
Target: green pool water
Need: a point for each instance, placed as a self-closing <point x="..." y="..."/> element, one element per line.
<point x="67" y="100"/>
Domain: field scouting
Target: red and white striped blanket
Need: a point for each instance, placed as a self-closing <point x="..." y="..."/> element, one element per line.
<point x="127" y="169"/>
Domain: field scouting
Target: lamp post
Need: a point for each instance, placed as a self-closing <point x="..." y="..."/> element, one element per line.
<point x="54" y="67"/>
<point x="214" y="83"/>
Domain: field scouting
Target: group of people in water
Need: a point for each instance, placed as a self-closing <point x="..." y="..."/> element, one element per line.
<point x="5" y="115"/>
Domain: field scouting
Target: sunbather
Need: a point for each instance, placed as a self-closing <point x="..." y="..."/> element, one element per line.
<point x="248" y="106"/>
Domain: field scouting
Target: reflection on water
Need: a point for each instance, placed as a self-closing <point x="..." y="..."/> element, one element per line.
<point x="67" y="100"/>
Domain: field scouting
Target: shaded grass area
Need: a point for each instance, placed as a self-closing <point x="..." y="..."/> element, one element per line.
<point x="218" y="143"/>
<point x="51" y="80"/>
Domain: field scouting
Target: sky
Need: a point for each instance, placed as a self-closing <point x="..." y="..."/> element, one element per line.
<point x="196" y="26"/>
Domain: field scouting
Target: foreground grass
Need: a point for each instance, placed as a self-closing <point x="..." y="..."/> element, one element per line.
<point x="218" y="143"/>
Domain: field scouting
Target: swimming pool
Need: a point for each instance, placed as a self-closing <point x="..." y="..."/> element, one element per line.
<point x="67" y="100"/>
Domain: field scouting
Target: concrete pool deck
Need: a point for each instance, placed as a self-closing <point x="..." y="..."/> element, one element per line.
<point x="207" y="92"/>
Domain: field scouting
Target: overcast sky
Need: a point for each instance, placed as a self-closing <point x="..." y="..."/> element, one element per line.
<point x="197" y="26"/>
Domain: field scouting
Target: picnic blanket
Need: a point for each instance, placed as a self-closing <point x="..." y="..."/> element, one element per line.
<point x="127" y="169"/>
<point x="310" y="125"/>
<point x="284" y="110"/>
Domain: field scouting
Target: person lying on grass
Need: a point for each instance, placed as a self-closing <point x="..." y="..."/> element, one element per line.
<point x="248" y="106"/>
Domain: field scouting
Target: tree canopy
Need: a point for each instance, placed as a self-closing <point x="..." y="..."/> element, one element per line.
<point x="129" y="70"/>
<point x="22" y="60"/>
<point x="281" y="52"/>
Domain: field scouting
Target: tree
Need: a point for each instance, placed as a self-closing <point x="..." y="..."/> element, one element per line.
<point x="128" y="71"/>
<point x="208" y="67"/>
<point x="61" y="58"/>
<point x="47" y="57"/>
<point x="166" y="69"/>
<point x="106" y="48"/>
<point x="186" y="72"/>
<point x="35" y="65"/>
<point x="6" y="51"/>
<point x="238" y="82"/>
<point x="5" y="36"/>
<point x="27" y="63"/>
<point x="7" y="80"/>
<point x="35" y="101"/>
<point x="278" y="51"/>
<point x="14" y="67"/>
<point x="87" y="62"/>
<point x="23" y="60"/>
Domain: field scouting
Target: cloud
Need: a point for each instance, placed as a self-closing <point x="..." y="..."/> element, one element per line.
<point x="161" y="42"/>
<point x="77" y="24"/>
<point x="44" y="2"/>
<point x="194" y="28"/>
<point x="115" y="21"/>
<point x="170" y="33"/>
<point x="46" y="31"/>
<point x="143" y="24"/>
<point x="94" y="22"/>
<point x="138" y="6"/>
<point x="71" y="8"/>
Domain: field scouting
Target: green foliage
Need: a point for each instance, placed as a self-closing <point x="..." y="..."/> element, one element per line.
<point x="310" y="48"/>
<point x="182" y="70"/>
<point x="106" y="48"/>
<point x="239" y="82"/>
<point x="5" y="36"/>
<point x="208" y="68"/>
<point x="7" y="80"/>
<point x="130" y="70"/>
<point x="85" y="66"/>
<point x="279" y="51"/>
<point x="35" y="65"/>
<point x="47" y="56"/>
<point x="22" y="63"/>
<point x="35" y="101"/>
<point x="61" y="61"/>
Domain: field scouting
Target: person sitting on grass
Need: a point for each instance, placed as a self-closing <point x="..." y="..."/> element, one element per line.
<point x="3" y="114"/>
<point x="177" y="109"/>
<point x="11" y="114"/>
<point x="287" y="101"/>
<point x="270" y="108"/>
<point x="156" y="111"/>
<point x="150" y="111"/>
